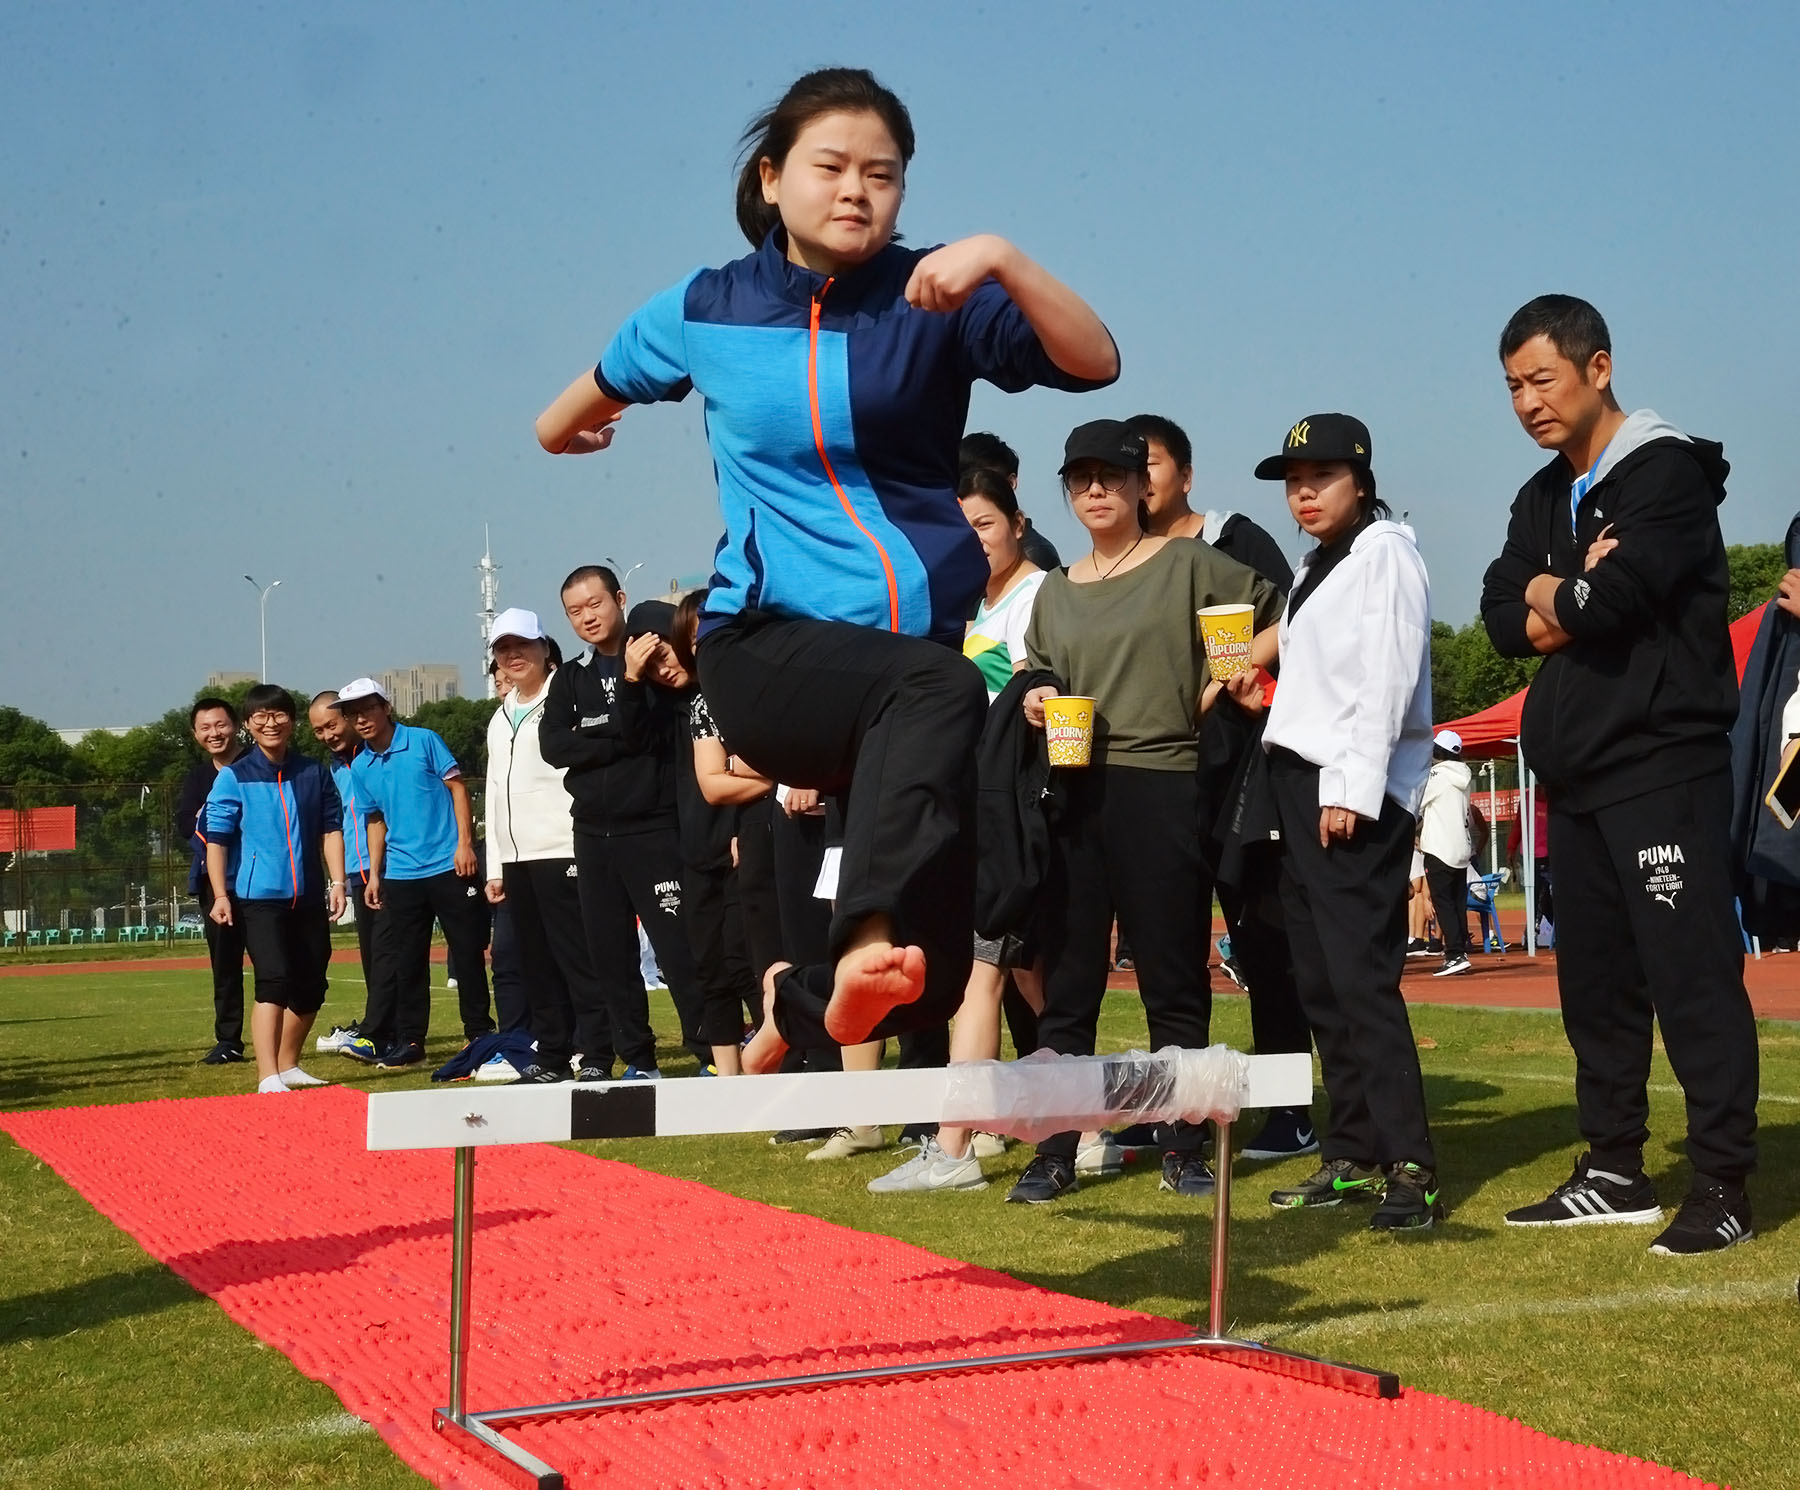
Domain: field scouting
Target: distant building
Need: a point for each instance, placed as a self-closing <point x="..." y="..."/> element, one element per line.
<point x="76" y="736"/>
<point x="217" y="681"/>
<point x="410" y="688"/>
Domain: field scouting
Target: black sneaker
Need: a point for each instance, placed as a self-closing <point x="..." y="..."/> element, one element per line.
<point x="536" y="1075"/>
<point x="1045" y="1178"/>
<point x="799" y="1135"/>
<point x="1287" y="1133"/>
<point x="1417" y="947"/>
<point x="1411" y="1201"/>
<point x="1454" y="965"/>
<point x="222" y="1054"/>
<point x="1186" y="1174"/>
<point x="1332" y="1183"/>
<point x="1589" y="1199"/>
<point x="1716" y="1215"/>
<point x="594" y="1073"/>
<point x="398" y="1056"/>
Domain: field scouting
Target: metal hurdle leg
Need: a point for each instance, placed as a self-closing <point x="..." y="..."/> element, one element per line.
<point x="533" y="1472"/>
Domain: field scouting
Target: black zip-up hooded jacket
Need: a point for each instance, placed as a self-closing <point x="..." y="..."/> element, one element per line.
<point x="612" y="736"/>
<point x="1645" y="693"/>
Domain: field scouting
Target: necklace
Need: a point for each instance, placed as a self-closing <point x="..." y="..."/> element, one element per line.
<point x="1094" y="558"/>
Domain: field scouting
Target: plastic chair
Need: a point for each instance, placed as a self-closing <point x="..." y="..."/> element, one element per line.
<point x="1482" y="903"/>
<point x="76" y="934"/>
<point x="159" y="933"/>
<point x="34" y="938"/>
<point x="53" y="936"/>
<point x="11" y="939"/>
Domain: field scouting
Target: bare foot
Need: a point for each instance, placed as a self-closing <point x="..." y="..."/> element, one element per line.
<point x="871" y="980"/>
<point x="766" y="1049"/>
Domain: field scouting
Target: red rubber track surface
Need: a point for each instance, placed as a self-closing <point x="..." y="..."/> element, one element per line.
<point x="592" y="1277"/>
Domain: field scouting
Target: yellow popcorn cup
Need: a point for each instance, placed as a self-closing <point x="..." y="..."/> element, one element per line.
<point x="1069" y="727"/>
<point x="1225" y="631"/>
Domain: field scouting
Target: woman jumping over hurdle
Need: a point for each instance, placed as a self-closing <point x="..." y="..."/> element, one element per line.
<point x="836" y="366"/>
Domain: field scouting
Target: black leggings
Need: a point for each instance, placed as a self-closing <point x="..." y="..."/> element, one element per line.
<point x="890" y="724"/>
<point x="1126" y="845"/>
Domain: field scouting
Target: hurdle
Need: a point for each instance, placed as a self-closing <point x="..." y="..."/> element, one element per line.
<point x="1026" y="1099"/>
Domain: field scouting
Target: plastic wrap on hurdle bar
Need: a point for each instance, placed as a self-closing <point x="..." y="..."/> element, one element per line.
<point x="467" y="1116"/>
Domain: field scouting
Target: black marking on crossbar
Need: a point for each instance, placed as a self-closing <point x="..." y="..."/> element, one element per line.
<point x="613" y="1112"/>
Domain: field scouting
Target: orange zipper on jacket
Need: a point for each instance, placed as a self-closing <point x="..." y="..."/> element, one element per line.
<point x="287" y="836"/>
<point x="812" y="389"/>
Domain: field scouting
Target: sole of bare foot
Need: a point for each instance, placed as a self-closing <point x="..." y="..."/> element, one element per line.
<point x="766" y="1049"/>
<point x="871" y="981"/>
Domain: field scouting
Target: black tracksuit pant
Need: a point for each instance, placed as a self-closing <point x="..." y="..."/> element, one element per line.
<point x="365" y="930"/>
<point x="1259" y="943"/>
<point x="1450" y="900"/>
<point x="1645" y="930"/>
<point x="400" y="1000"/>
<point x="889" y="723"/>
<point x="626" y="878"/>
<point x="757" y="891"/>
<point x="1346" y="920"/>
<point x="721" y="957"/>
<point x="802" y="921"/>
<point x="225" y="952"/>
<point x="565" y="1002"/>
<point x="1126" y="845"/>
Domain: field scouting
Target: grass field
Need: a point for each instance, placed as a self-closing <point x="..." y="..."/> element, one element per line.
<point x="114" y="1372"/>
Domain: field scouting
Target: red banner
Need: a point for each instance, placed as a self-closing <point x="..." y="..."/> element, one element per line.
<point x="37" y="830"/>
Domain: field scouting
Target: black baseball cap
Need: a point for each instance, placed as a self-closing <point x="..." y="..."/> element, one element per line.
<point x="651" y="616"/>
<point x="1320" y="437"/>
<point x="1110" y="441"/>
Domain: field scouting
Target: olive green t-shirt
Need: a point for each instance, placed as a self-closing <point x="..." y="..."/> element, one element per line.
<point x="1132" y="644"/>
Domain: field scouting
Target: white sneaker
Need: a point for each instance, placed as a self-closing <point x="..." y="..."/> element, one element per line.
<point x="1100" y="1155"/>
<point x="449" y="982"/>
<point x="340" y="1036"/>
<point x="986" y="1145"/>
<point x="498" y="1068"/>
<point x="931" y="1169"/>
<point x="847" y="1141"/>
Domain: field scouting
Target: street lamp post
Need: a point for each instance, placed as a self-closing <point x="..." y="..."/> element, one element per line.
<point x="262" y="607"/>
<point x="624" y="579"/>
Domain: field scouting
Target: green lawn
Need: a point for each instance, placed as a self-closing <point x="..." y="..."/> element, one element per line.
<point x="114" y="1372"/>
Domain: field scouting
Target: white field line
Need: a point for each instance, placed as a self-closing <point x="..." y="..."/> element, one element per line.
<point x="215" y="1441"/>
<point x="1544" y="1078"/>
<point x="1429" y="1316"/>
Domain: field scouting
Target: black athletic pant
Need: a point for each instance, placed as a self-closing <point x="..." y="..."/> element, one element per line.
<point x="1346" y="920"/>
<point x="403" y="955"/>
<point x="623" y="880"/>
<point x="721" y="960"/>
<point x="566" y="1005"/>
<point x="365" y="932"/>
<point x="225" y="951"/>
<point x="796" y="848"/>
<point x="512" y="1001"/>
<point x="1450" y="900"/>
<point x="290" y="948"/>
<point x="890" y="724"/>
<point x="756" y="889"/>
<point x="1645" y="929"/>
<point x="1259" y="944"/>
<point x="1126" y="845"/>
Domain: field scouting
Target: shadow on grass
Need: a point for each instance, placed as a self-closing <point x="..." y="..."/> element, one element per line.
<point x="147" y="1289"/>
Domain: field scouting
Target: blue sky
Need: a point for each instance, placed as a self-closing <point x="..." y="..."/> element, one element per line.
<point x="285" y="286"/>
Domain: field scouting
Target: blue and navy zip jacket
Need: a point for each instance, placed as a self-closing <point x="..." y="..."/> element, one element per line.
<point x="274" y="818"/>
<point x="356" y="816"/>
<point x="834" y="410"/>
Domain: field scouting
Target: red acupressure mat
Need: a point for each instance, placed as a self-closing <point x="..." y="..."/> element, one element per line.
<point x="592" y="1277"/>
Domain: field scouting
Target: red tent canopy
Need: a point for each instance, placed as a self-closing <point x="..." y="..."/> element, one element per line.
<point x="1493" y="731"/>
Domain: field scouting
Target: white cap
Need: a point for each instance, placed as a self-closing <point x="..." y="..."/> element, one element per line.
<point x="360" y="688"/>
<point x="513" y="621"/>
<point x="1448" y="740"/>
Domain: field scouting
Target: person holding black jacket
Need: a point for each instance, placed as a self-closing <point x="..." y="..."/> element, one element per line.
<point x="215" y="726"/>
<point x="1614" y="570"/>
<point x="614" y="735"/>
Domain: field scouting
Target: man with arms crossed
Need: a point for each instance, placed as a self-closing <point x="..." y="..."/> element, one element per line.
<point x="1614" y="569"/>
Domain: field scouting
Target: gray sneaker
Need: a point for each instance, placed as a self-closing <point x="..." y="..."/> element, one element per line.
<point x="931" y="1169"/>
<point x="847" y="1141"/>
<point x="1102" y="1154"/>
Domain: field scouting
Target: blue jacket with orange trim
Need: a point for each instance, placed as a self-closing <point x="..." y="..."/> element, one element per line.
<point x="833" y="409"/>
<point x="274" y="817"/>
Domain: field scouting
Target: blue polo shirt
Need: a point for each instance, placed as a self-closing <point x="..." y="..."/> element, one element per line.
<point x="356" y="816"/>
<point x="404" y="787"/>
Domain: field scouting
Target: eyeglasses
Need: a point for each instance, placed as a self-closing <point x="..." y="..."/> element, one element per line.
<point x="1111" y="479"/>
<point x="264" y="718"/>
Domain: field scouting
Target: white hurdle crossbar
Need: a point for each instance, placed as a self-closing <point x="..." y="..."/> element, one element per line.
<point x="466" y="1119"/>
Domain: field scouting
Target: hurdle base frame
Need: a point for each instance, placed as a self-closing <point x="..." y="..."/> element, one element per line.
<point x="480" y="1428"/>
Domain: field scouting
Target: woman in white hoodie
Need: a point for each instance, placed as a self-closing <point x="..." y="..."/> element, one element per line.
<point x="531" y="862"/>
<point x="1349" y="745"/>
